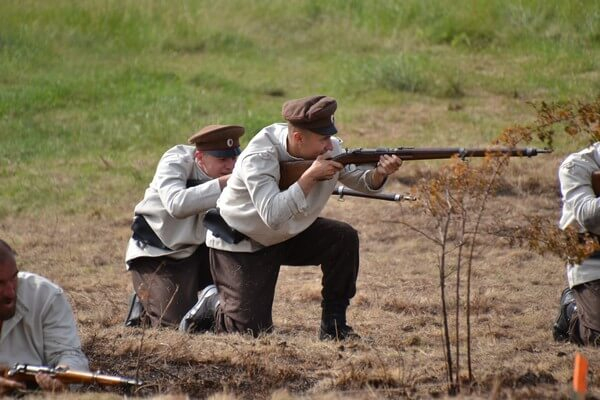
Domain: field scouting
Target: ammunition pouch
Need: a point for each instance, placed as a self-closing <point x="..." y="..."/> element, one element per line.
<point x="219" y="228"/>
<point x="142" y="232"/>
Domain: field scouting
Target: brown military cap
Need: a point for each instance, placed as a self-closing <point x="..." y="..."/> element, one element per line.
<point x="219" y="140"/>
<point x="314" y="113"/>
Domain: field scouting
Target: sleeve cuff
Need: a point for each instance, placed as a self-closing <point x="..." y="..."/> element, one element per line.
<point x="369" y="182"/>
<point x="297" y="196"/>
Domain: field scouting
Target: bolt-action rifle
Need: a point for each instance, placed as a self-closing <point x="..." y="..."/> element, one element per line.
<point x="26" y="373"/>
<point x="292" y="170"/>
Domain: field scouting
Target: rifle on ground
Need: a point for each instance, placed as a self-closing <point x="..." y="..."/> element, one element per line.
<point x="344" y="191"/>
<point x="291" y="171"/>
<point x="26" y="373"/>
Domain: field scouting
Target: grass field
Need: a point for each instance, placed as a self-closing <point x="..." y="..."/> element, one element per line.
<point x="93" y="92"/>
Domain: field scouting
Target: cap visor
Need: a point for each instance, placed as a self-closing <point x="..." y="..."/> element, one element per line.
<point x="236" y="151"/>
<point x="325" y="130"/>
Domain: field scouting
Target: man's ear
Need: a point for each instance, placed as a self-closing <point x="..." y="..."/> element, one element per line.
<point x="298" y="137"/>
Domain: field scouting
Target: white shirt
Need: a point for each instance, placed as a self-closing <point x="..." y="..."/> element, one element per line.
<point x="581" y="207"/>
<point x="253" y="204"/>
<point x="43" y="330"/>
<point x="174" y="211"/>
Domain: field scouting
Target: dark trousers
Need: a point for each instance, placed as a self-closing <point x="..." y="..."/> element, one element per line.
<point x="246" y="281"/>
<point x="584" y="327"/>
<point x="168" y="288"/>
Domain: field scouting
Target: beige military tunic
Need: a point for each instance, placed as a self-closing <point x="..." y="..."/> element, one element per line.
<point x="253" y="204"/>
<point x="43" y="330"/>
<point x="581" y="207"/>
<point x="174" y="211"/>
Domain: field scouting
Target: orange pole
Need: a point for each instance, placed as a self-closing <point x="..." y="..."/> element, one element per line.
<point x="580" y="371"/>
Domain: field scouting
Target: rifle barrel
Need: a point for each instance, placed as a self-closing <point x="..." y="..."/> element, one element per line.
<point x="351" y="156"/>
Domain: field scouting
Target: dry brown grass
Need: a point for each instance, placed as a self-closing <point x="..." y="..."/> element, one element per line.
<point x="396" y="310"/>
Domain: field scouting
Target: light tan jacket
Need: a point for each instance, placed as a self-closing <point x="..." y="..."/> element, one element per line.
<point x="43" y="330"/>
<point x="253" y="204"/>
<point x="173" y="211"/>
<point x="581" y="207"/>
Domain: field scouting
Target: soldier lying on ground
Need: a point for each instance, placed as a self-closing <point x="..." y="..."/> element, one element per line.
<point x="36" y="324"/>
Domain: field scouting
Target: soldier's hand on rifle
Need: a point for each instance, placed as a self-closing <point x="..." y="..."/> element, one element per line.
<point x="321" y="169"/>
<point x="8" y="385"/>
<point x="387" y="165"/>
<point x="48" y="383"/>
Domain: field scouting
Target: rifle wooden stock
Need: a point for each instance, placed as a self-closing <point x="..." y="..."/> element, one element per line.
<point x="596" y="182"/>
<point x="26" y="373"/>
<point x="290" y="171"/>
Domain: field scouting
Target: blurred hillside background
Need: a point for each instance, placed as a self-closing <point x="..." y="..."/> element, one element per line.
<point x="93" y="92"/>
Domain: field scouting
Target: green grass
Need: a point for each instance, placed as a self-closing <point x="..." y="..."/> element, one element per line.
<point x="92" y="92"/>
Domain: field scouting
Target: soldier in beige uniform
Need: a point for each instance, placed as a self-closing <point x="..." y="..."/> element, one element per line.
<point x="284" y="227"/>
<point x="578" y="320"/>
<point x="166" y="254"/>
<point x="36" y="324"/>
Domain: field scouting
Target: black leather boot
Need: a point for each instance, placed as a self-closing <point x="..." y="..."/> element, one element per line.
<point x="136" y="315"/>
<point x="560" y="330"/>
<point x="333" y="323"/>
<point x="201" y="317"/>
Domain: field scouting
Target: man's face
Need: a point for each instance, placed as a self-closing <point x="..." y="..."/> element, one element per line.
<point x="8" y="289"/>
<point x="311" y="145"/>
<point x="214" y="166"/>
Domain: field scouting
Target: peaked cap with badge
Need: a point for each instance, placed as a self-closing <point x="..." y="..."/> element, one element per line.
<point x="314" y="113"/>
<point x="218" y="140"/>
